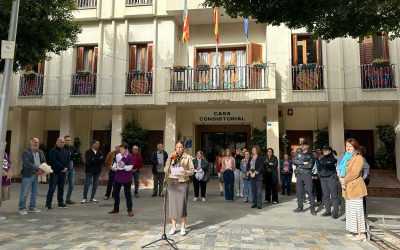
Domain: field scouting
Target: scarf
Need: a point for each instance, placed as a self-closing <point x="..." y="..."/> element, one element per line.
<point x="347" y="156"/>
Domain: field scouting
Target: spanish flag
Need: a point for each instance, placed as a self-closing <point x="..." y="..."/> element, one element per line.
<point x="185" y="33"/>
<point x="216" y="24"/>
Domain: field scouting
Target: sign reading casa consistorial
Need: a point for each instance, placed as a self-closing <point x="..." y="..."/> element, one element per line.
<point x="222" y="116"/>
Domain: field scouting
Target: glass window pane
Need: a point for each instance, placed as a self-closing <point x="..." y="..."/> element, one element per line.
<point x="311" y="51"/>
<point x="378" y="47"/>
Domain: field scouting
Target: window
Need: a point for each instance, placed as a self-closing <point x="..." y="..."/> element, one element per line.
<point x="374" y="47"/>
<point x="141" y="57"/>
<point x="37" y="68"/>
<point x="306" y="50"/>
<point x="86" y="60"/>
<point x="230" y="56"/>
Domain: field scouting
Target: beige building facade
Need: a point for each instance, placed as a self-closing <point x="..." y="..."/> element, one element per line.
<point x="129" y="64"/>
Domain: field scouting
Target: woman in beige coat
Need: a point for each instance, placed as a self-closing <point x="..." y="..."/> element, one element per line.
<point x="353" y="189"/>
<point x="178" y="168"/>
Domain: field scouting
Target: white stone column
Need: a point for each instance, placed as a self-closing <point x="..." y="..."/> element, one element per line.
<point x="117" y="122"/>
<point x="273" y="128"/>
<point x="396" y="110"/>
<point x="18" y="138"/>
<point x="336" y="126"/>
<point x="170" y="131"/>
<point x="67" y="121"/>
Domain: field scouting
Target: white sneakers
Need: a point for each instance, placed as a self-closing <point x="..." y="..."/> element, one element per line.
<point x="173" y="231"/>
<point x="203" y="199"/>
<point x="2" y="218"/>
<point x="23" y="212"/>
<point x="83" y="201"/>
<point x="94" y="200"/>
<point x="34" y="210"/>
<point x="195" y="199"/>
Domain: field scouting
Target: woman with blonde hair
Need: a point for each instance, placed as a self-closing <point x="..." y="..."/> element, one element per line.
<point x="178" y="168"/>
<point x="353" y="189"/>
<point x="228" y="166"/>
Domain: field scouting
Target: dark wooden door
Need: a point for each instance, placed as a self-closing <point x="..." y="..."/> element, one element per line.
<point x="365" y="138"/>
<point x="8" y="140"/>
<point x="52" y="136"/>
<point x="105" y="140"/>
<point x="295" y="137"/>
<point x="153" y="138"/>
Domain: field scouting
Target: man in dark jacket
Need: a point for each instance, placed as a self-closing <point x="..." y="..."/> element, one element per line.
<point x="59" y="162"/>
<point x="73" y="158"/>
<point x="32" y="158"/>
<point x="304" y="163"/>
<point x="94" y="161"/>
<point x="158" y="160"/>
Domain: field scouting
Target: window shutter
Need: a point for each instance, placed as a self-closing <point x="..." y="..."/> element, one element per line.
<point x="90" y="58"/>
<point x="149" y="57"/>
<point x="385" y="46"/>
<point x="234" y="59"/>
<point x="319" y="50"/>
<point x="195" y="63"/>
<point x="132" y="58"/>
<point x="295" y="57"/>
<point x="96" y="52"/>
<point x="79" y="59"/>
<point x="40" y="69"/>
<point x="256" y="52"/>
<point x="367" y="50"/>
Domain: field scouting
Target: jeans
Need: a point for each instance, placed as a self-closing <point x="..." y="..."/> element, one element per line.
<point x="229" y="179"/>
<point x="158" y="183"/>
<point x="256" y="189"/>
<point x="89" y="177"/>
<point x="286" y="180"/>
<point x="248" y="196"/>
<point x="56" y="180"/>
<point x="110" y="184"/>
<point x="271" y="188"/>
<point x="71" y="182"/>
<point x="197" y="185"/>
<point x="127" y="191"/>
<point x="136" y="181"/>
<point x="28" y="183"/>
<point x="238" y="182"/>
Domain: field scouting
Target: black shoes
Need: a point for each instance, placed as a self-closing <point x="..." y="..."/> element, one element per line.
<point x="259" y="207"/>
<point x="326" y="214"/>
<point x="335" y="216"/>
<point x="298" y="210"/>
<point x="313" y="212"/>
<point x="254" y="206"/>
<point x="154" y="195"/>
<point x="136" y="195"/>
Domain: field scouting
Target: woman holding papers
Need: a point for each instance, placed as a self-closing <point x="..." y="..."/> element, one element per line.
<point x="123" y="177"/>
<point x="178" y="168"/>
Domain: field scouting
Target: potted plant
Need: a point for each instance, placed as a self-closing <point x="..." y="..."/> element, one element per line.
<point x="258" y="65"/>
<point x="380" y="63"/>
<point x="203" y="67"/>
<point x="308" y="66"/>
<point x="179" y="68"/>
<point x="226" y="66"/>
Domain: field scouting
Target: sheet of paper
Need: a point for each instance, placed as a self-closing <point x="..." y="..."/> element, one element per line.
<point x="176" y="171"/>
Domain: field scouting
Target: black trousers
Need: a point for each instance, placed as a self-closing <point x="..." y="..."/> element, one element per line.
<point x="158" y="183"/>
<point x="271" y="188"/>
<point x="317" y="189"/>
<point x="304" y="180"/>
<point x="330" y="194"/>
<point x="56" y="180"/>
<point x="110" y="183"/>
<point x="127" y="191"/>
<point x="197" y="185"/>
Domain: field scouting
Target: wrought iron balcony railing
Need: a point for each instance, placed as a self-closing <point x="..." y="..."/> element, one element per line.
<point x="307" y="77"/>
<point x="232" y="77"/>
<point x="139" y="83"/>
<point x="84" y="84"/>
<point x="377" y="76"/>
<point x="31" y="85"/>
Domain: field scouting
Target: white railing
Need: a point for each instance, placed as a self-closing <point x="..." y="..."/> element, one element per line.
<point x="83" y="4"/>
<point x="138" y="2"/>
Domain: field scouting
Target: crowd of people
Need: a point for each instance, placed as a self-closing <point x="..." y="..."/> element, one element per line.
<point x="242" y="172"/>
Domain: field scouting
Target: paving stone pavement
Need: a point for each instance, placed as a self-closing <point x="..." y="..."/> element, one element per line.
<point x="213" y="224"/>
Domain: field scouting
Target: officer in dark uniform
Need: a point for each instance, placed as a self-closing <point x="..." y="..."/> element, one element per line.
<point x="304" y="163"/>
<point x="329" y="182"/>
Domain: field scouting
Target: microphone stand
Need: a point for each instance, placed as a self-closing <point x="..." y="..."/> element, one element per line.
<point x="164" y="235"/>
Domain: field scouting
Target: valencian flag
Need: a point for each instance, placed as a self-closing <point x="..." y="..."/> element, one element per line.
<point x="185" y="33"/>
<point x="246" y="28"/>
<point x="216" y="24"/>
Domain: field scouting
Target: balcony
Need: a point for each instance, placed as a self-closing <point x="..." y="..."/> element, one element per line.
<point x="377" y="76"/>
<point x="84" y="84"/>
<point x="138" y="2"/>
<point x="86" y="4"/>
<point x="139" y="83"/>
<point x="307" y="77"/>
<point x="226" y="78"/>
<point x="31" y="85"/>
